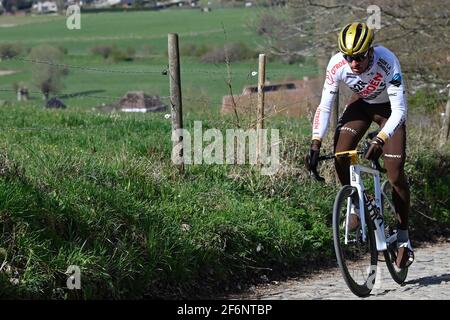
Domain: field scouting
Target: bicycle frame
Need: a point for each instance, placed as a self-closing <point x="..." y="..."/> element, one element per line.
<point x="355" y="181"/>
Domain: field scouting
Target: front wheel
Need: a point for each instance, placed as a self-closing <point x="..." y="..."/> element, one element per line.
<point x="390" y="255"/>
<point x="357" y="258"/>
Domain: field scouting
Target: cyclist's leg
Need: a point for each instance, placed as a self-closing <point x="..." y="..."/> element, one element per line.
<point x="351" y="127"/>
<point x="394" y="161"/>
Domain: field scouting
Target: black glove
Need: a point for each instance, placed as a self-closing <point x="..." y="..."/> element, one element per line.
<point x="312" y="159"/>
<point x="375" y="150"/>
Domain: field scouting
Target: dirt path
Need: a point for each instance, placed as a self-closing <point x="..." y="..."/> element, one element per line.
<point x="428" y="278"/>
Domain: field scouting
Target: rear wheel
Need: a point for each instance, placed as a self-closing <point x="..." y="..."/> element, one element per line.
<point x="390" y="255"/>
<point x="357" y="259"/>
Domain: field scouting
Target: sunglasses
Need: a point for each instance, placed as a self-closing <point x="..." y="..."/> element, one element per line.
<point x="357" y="58"/>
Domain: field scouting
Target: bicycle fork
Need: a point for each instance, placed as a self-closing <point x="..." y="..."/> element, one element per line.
<point x="373" y="206"/>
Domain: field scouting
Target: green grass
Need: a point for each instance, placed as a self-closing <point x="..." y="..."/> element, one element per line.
<point x="99" y="191"/>
<point x="133" y="29"/>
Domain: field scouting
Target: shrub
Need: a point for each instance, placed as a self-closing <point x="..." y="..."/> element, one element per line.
<point x="103" y="50"/>
<point x="10" y="50"/>
<point x="48" y="77"/>
<point x="114" y="53"/>
<point x="268" y="24"/>
<point x="194" y="50"/>
<point x="233" y="51"/>
<point x="127" y="54"/>
<point x="145" y="51"/>
<point x="63" y="50"/>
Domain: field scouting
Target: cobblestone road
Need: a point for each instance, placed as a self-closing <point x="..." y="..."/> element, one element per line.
<point x="428" y="278"/>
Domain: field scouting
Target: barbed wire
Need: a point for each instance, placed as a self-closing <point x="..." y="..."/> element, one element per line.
<point x="164" y="70"/>
<point x="222" y="73"/>
<point x="93" y="69"/>
<point x="226" y="77"/>
<point x="252" y="72"/>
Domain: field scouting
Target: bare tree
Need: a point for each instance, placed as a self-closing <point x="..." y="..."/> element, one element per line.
<point x="47" y="71"/>
<point x="416" y="30"/>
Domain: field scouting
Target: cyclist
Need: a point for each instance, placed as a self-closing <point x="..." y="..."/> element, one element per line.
<point x="373" y="73"/>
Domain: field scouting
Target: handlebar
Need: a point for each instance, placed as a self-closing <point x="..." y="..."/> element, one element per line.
<point x="375" y="163"/>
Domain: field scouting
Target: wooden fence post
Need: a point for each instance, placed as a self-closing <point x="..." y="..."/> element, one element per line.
<point x="260" y="112"/>
<point x="446" y="123"/>
<point x="175" y="95"/>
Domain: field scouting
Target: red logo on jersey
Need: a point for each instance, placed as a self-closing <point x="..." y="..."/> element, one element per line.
<point x="332" y="72"/>
<point x="374" y="83"/>
<point x="330" y="79"/>
<point x="341" y="63"/>
<point x="316" y="119"/>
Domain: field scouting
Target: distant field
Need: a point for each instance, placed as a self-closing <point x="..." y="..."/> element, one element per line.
<point x="132" y="28"/>
<point x="12" y="21"/>
<point x="144" y="30"/>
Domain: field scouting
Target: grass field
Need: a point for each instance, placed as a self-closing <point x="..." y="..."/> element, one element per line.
<point x="144" y="30"/>
<point x="99" y="190"/>
<point x="133" y="29"/>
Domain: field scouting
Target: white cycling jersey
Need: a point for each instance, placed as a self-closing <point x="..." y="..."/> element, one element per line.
<point x="380" y="83"/>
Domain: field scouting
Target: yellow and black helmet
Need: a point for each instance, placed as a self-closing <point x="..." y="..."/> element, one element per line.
<point x="355" y="38"/>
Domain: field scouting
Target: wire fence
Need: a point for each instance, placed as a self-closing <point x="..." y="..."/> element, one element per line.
<point x="111" y="98"/>
<point x="252" y="72"/>
<point x="84" y="68"/>
<point x="226" y="74"/>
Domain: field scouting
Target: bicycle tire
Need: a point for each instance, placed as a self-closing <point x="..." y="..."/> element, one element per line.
<point x="390" y="255"/>
<point x="365" y="286"/>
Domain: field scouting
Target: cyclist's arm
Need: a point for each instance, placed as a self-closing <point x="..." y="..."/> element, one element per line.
<point x="323" y="112"/>
<point x="397" y="97"/>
